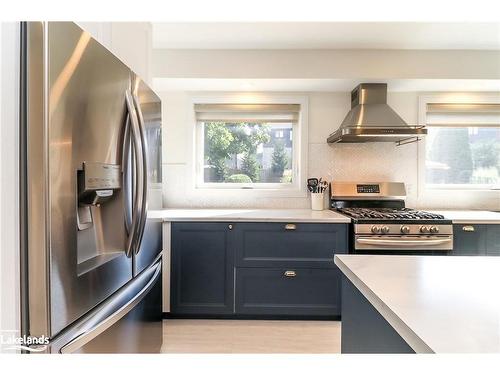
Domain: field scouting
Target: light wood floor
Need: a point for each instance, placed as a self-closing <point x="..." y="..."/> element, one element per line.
<point x="250" y="336"/>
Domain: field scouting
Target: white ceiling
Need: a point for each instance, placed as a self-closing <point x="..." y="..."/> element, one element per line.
<point x="318" y="85"/>
<point x="327" y="35"/>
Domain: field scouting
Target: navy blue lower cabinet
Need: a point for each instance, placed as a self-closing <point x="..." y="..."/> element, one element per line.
<point x="256" y="269"/>
<point x="493" y="240"/>
<point x="469" y="239"/>
<point x="306" y="245"/>
<point x="202" y="273"/>
<point x="288" y="292"/>
<point x="364" y="330"/>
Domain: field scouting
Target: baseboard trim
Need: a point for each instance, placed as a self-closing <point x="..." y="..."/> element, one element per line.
<point x="169" y="315"/>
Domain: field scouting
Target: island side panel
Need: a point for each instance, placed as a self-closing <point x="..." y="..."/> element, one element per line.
<point x="364" y="330"/>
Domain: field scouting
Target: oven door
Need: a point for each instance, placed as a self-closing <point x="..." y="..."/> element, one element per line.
<point x="403" y="244"/>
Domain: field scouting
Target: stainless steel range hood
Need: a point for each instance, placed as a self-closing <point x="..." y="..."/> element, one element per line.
<point x="372" y="120"/>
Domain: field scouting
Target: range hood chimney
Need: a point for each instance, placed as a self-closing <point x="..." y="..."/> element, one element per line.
<point x="372" y="120"/>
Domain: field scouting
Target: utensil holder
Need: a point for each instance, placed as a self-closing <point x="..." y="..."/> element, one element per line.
<point x="317" y="201"/>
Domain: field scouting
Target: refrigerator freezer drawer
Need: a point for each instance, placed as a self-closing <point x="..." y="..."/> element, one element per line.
<point x="129" y="322"/>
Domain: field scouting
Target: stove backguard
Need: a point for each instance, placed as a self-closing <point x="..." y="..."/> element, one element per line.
<point x="396" y="203"/>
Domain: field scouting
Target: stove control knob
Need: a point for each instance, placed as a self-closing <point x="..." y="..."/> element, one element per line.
<point x="434" y="229"/>
<point x="424" y="229"/>
<point x="385" y="229"/>
<point x="405" y="229"/>
<point x="375" y="229"/>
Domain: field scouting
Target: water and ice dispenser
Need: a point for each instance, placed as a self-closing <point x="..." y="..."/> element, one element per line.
<point x="97" y="183"/>
<point x="100" y="236"/>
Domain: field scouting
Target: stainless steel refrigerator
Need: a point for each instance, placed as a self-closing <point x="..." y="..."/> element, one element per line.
<point x="90" y="152"/>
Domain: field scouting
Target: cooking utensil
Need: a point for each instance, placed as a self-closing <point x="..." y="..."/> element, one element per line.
<point x="312" y="184"/>
<point x="323" y="185"/>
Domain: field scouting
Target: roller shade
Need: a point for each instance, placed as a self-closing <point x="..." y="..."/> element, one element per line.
<point x="248" y="112"/>
<point x="463" y="114"/>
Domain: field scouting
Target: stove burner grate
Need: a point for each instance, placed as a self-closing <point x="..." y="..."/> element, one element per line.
<point x="389" y="213"/>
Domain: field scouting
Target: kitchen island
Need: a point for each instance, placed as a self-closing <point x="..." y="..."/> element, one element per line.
<point x="420" y="304"/>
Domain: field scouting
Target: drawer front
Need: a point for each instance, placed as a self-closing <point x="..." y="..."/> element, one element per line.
<point x="469" y="239"/>
<point x="289" y="244"/>
<point x="493" y="241"/>
<point x="288" y="292"/>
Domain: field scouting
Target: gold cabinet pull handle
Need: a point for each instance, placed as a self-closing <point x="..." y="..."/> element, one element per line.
<point x="290" y="273"/>
<point x="468" y="228"/>
<point x="290" y="227"/>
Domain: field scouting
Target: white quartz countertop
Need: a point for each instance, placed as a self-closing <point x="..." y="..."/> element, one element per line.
<point x="249" y="215"/>
<point x="470" y="216"/>
<point x="437" y="304"/>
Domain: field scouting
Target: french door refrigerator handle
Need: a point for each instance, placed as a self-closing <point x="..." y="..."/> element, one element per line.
<point x="144" y="181"/>
<point x="138" y="175"/>
<point x="127" y="189"/>
<point x="101" y="321"/>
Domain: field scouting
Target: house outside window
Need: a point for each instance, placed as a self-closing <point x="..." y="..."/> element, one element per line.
<point x="248" y="146"/>
<point x="462" y="146"/>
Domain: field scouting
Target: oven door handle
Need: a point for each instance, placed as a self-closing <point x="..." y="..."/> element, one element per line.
<point x="403" y="242"/>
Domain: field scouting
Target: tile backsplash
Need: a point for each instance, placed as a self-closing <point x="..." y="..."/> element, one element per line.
<point x="368" y="162"/>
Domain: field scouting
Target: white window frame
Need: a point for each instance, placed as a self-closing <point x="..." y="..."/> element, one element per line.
<point x="463" y="194"/>
<point x="299" y="151"/>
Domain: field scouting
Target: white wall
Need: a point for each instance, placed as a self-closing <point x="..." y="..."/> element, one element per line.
<point x="132" y="42"/>
<point x="9" y="177"/>
<point x="408" y="71"/>
<point x="362" y="64"/>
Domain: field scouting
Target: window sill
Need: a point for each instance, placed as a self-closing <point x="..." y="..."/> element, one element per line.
<point x="237" y="186"/>
<point x="294" y="192"/>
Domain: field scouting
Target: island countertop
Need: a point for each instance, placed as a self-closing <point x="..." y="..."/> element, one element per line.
<point x="249" y="215"/>
<point x="436" y="304"/>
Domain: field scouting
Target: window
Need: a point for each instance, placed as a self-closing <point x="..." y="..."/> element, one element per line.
<point x="247" y="145"/>
<point x="463" y="146"/>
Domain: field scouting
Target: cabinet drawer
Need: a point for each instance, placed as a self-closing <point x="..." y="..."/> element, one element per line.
<point x="469" y="239"/>
<point x="289" y="244"/>
<point x="288" y="292"/>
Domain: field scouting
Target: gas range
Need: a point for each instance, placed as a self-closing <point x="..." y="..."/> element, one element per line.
<point x="381" y="223"/>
